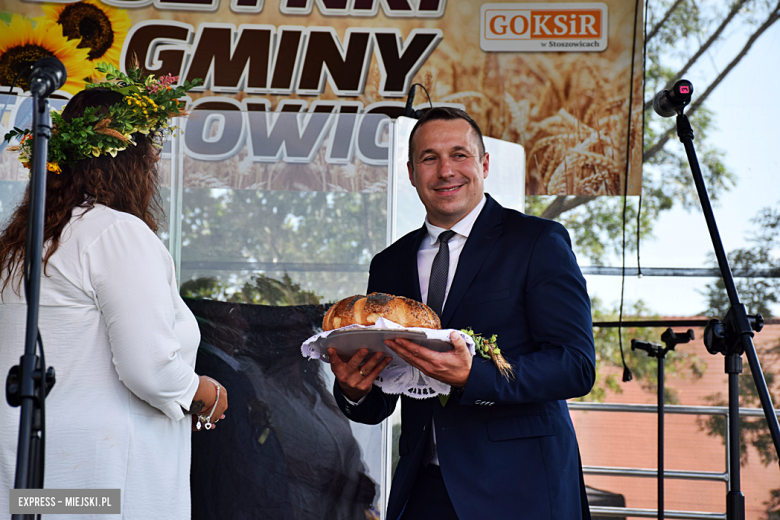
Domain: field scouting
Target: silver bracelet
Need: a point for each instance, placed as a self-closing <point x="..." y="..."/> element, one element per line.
<point x="202" y="419"/>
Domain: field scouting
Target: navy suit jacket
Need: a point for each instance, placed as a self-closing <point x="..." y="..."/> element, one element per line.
<point x="507" y="449"/>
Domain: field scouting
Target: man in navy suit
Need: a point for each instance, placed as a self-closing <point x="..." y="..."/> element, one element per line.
<point x="499" y="447"/>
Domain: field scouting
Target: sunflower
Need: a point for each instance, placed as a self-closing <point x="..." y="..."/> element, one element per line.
<point x="21" y="45"/>
<point x="101" y="28"/>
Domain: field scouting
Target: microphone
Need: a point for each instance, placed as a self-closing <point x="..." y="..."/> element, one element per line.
<point x="48" y="74"/>
<point x="409" y="110"/>
<point x="651" y="348"/>
<point x="668" y="103"/>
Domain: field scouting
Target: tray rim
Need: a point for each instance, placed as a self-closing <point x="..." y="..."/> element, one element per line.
<point x="404" y="333"/>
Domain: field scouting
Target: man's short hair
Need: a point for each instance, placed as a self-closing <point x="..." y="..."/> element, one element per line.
<point x="445" y="114"/>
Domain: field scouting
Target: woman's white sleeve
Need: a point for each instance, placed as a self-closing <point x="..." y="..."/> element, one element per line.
<point x="130" y="271"/>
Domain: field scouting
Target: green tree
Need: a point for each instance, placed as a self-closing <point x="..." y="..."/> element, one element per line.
<point x="757" y="293"/>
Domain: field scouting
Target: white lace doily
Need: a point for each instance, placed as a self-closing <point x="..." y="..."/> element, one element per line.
<point x="399" y="377"/>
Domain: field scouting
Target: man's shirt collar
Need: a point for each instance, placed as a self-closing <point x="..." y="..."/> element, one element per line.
<point x="462" y="227"/>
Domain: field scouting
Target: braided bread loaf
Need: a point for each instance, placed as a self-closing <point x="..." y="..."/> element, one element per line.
<point x="365" y="310"/>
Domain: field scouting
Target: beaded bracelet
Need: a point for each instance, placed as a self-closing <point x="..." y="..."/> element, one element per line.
<point x="202" y="419"/>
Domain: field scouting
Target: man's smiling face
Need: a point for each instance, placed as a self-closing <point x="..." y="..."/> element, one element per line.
<point x="448" y="169"/>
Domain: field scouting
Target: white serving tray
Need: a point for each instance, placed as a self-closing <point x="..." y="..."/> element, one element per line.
<point x="348" y="341"/>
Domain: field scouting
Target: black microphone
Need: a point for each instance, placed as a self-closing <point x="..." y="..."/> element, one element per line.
<point x="48" y="74"/>
<point x="668" y="103"/>
<point x="650" y="348"/>
<point x="409" y="110"/>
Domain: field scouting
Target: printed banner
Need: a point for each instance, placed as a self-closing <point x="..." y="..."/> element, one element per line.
<point x="297" y="93"/>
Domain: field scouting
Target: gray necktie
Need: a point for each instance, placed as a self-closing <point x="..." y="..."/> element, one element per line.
<point x="437" y="285"/>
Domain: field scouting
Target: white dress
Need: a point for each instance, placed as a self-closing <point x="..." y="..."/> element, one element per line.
<point x="123" y="345"/>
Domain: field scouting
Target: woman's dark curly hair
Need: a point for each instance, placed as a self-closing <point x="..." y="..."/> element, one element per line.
<point x="128" y="182"/>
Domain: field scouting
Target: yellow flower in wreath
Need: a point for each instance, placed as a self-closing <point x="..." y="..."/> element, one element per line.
<point x="21" y="45"/>
<point x="100" y="28"/>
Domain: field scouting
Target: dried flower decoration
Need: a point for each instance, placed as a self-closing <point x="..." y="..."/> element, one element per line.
<point x="146" y="107"/>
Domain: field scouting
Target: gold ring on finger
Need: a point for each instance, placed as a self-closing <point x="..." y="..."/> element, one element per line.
<point x="361" y="372"/>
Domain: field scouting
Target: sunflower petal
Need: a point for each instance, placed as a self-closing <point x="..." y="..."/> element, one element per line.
<point x="46" y="41"/>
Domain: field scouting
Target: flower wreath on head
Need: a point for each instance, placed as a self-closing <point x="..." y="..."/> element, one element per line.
<point x="146" y="107"/>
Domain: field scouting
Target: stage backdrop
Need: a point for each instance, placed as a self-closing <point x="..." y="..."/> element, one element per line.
<point x="278" y="187"/>
<point x="553" y="77"/>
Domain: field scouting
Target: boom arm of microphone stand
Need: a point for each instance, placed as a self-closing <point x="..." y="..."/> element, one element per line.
<point x="737" y="312"/>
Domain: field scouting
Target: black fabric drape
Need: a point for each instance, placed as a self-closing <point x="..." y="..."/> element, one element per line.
<point x="284" y="450"/>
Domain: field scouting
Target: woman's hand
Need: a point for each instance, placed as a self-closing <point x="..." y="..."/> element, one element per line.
<point x="209" y="393"/>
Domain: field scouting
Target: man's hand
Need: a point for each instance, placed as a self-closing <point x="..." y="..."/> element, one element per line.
<point x="452" y="367"/>
<point x="355" y="380"/>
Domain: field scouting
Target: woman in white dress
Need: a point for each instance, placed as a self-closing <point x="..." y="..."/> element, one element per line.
<point x="113" y="326"/>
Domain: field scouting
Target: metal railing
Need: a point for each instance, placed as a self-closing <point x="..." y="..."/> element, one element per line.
<point x="668" y="474"/>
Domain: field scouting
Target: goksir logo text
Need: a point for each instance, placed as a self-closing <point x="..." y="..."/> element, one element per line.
<point x="580" y="27"/>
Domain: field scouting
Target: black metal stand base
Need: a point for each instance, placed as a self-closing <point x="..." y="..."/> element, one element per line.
<point x="735" y="505"/>
<point x="657" y="351"/>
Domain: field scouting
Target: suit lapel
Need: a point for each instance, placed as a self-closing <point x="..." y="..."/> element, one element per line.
<point x="481" y="240"/>
<point x="411" y="278"/>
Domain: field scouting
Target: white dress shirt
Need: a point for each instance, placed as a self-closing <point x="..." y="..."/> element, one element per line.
<point x="430" y="247"/>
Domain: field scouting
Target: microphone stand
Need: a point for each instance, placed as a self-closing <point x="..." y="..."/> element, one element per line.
<point x="732" y="337"/>
<point x="657" y="351"/>
<point x="27" y="384"/>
